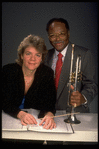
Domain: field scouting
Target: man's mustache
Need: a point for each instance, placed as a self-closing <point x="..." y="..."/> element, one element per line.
<point x="56" y="42"/>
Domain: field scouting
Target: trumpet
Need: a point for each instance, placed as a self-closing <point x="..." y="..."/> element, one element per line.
<point x="74" y="77"/>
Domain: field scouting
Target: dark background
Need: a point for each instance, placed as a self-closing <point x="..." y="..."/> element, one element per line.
<point x="19" y="19"/>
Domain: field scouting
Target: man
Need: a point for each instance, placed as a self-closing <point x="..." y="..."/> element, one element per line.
<point x="59" y="33"/>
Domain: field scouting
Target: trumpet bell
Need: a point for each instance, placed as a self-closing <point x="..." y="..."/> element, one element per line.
<point x="72" y="120"/>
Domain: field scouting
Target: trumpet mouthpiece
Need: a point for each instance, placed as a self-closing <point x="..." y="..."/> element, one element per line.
<point x="73" y="45"/>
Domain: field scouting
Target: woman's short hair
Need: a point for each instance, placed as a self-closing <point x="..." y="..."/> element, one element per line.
<point x="33" y="41"/>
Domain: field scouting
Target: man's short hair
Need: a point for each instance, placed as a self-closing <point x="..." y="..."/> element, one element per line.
<point x="57" y="20"/>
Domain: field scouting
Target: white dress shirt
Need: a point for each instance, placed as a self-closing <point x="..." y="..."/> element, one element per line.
<point x="55" y="57"/>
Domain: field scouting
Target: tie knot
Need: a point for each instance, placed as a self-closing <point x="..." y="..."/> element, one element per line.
<point x="60" y="55"/>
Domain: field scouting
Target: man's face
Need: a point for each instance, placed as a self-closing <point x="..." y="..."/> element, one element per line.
<point x="58" y="35"/>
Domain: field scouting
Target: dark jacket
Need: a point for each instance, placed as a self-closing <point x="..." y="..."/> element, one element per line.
<point x="41" y="95"/>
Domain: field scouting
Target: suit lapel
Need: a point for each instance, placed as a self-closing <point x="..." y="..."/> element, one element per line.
<point x="64" y="77"/>
<point x="50" y="57"/>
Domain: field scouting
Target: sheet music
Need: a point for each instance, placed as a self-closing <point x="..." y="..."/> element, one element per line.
<point x="11" y="124"/>
<point x="62" y="127"/>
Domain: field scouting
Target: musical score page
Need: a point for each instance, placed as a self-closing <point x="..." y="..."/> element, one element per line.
<point x="10" y="123"/>
<point x="61" y="126"/>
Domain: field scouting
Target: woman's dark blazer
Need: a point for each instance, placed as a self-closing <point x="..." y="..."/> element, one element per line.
<point x="41" y="95"/>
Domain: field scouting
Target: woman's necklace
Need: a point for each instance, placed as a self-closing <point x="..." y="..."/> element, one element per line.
<point x="27" y="82"/>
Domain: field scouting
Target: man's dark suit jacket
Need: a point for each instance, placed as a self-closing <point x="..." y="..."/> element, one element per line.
<point x="87" y="86"/>
<point x="41" y="95"/>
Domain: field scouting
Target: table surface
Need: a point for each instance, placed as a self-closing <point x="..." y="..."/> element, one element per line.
<point x="86" y="131"/>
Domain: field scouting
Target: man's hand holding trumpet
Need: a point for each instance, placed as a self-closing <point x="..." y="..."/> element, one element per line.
<point x="76" y="98"/>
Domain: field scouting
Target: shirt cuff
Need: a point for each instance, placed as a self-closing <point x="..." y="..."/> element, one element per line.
<point x="85" y="99"/>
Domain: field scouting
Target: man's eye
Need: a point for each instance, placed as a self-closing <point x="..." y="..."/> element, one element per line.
<point x="62" y="33"/>
<point x="51" y="36"/>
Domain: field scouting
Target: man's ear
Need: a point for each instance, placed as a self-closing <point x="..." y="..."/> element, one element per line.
<point x="68" y="33"/>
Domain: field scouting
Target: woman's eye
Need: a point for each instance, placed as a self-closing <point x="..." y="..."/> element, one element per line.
<point x="38" y="55"/>
<point x="28" y="53"/>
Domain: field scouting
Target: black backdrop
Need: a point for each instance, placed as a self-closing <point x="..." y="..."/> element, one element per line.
<point x="20" y="19"/>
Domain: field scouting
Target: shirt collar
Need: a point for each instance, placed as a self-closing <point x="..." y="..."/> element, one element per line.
<point x="63" y="51"/>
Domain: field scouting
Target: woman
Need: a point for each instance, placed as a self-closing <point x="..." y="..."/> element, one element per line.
<point x="30" y="83"/>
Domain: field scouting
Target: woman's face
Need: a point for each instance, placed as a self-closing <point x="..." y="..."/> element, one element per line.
<point x="31" y="58"/>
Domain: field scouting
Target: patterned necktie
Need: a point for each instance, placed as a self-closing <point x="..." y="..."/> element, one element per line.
<point x="58" y="69"/>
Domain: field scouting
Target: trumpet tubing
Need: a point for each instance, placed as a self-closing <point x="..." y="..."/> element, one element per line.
<point x="77" y="72"/>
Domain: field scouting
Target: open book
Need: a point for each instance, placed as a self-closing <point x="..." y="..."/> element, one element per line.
<point x="11" y="124"/>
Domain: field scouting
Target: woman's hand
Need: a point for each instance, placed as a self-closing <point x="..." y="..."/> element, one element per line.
<point x="26" y="118"/>
<point x="48" y="121"/>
